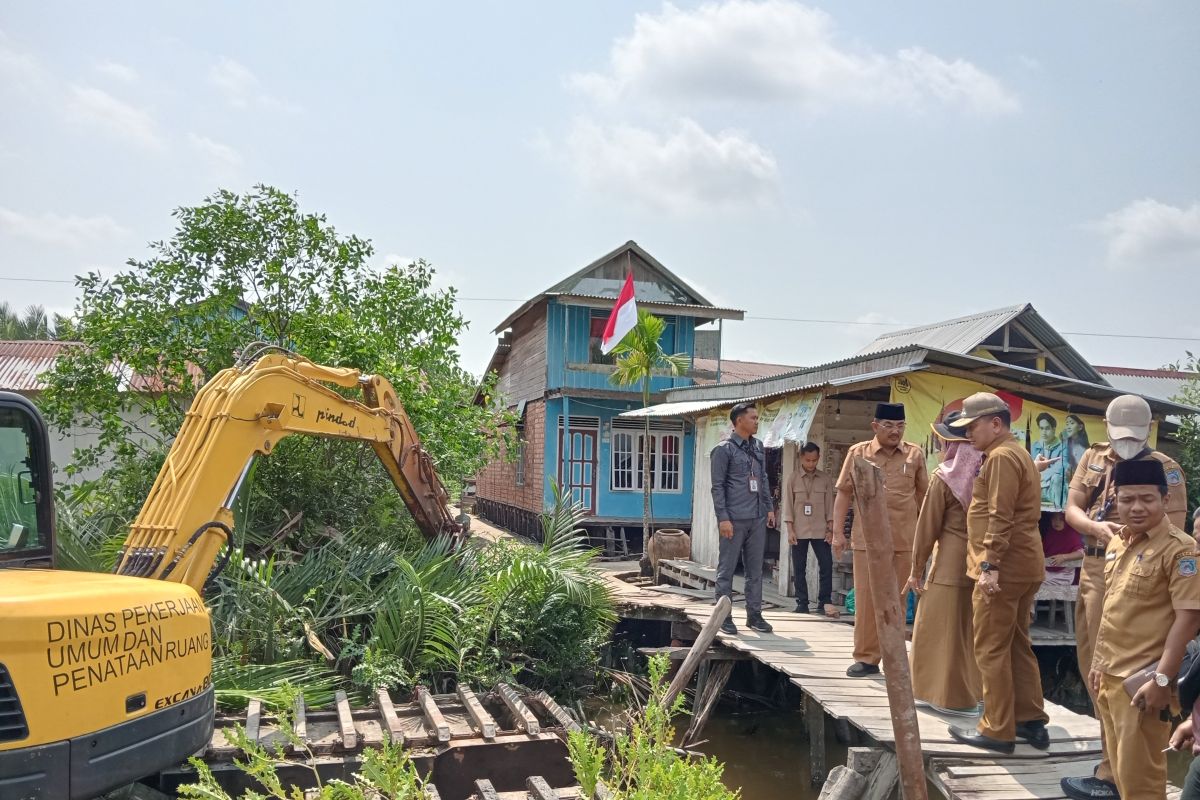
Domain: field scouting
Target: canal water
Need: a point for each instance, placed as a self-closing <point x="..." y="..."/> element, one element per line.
<point x="765" y="754"/>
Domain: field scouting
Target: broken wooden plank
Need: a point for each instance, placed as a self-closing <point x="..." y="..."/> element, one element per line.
<point x="522" y="716"/>
<point x="345" y="720"/>
<point x="480" y="718"/>
<point x="253" y="719"/>
<point x="433" y="716"/>
<point x="709" y="632"/>
<point x="391" y="722"/>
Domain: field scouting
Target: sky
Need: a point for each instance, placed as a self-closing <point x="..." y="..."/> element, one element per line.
<point x="873" y="164"/>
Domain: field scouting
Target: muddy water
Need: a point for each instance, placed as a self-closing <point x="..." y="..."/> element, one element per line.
<point x="765" y="755"/>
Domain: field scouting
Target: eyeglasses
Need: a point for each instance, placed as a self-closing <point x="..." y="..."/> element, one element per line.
<point x="892" y="426"/>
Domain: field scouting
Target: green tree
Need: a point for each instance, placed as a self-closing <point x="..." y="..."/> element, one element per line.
<point x="1188" y="434"/>
<point x="240" y="268"/>
<point x="32" y="324"/>
<point x="640" y="357"/>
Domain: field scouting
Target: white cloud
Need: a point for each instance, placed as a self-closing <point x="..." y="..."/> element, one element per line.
<point x="221" y="154"/>
<point x="242" y="88"/>
<point x="683" y="172"/>
<point x="54" y="229"/>
<point x="1149" y="232"/>
<point x="19" y="69"/>
<point x="120" y="118"/>
<point x="781" y="51"/>
<point x="120" y="72"/>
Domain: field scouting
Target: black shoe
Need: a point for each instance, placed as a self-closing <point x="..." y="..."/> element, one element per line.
<point x="861" y="669"/>
<point x="728" y="627"/>
<point x="976" y="739"/>
<point x="758" y="624"/>
<point x="1034" y="732"/>
<point x="801" y="608"/>
<point x="1089" y="788"/>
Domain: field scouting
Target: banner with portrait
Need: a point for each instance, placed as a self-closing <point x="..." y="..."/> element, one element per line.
<point x="1061" y="435"/>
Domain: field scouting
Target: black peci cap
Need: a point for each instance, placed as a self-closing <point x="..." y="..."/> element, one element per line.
<point x="1143" y="472"/>
<point x="893" y="411"/>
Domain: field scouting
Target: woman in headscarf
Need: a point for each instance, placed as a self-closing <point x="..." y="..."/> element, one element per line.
<point x="1075" y="443"/>
<point x="944" y="673"/>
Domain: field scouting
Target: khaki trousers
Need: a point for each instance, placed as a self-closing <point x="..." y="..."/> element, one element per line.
<point x="1012" y="682"/>
<point x="942" y="661"/>
<point x="1089" y="608"/>
<point x="866" y="635"/>
<point x="1135" y="742"/>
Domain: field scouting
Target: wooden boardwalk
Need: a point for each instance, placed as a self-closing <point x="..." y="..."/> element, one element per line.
<point x="814" y="652"/>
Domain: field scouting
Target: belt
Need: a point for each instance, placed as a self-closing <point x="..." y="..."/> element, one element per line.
<point x="1094" y="551"/>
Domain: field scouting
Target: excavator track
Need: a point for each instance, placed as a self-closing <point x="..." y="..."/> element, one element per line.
<point x="503" y="743"/>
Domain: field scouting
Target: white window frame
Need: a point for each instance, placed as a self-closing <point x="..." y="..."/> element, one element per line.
<point x="627" y="460"/>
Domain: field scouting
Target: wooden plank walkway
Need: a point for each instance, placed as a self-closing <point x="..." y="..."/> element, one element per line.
<point x="814" y="653"/>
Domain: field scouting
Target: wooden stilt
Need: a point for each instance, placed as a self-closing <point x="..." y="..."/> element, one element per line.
<point x="870" y="500"/>
<point x="707" y="634"/>
<point x="814" y="721"/>
<point x="706" y="698"/>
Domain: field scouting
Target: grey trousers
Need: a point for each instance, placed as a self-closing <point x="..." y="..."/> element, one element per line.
<point x="749" y="542"/>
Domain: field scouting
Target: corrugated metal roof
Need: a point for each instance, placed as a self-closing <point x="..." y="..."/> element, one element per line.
<point x="685" y="408"/>
<point x="1138" y="372"/>
<point x="693" y="310"/>
<point x="733" y="370"/>
<point x="964" y="334"/>
<point x="21" y="362"/>
<point x="959" y="335"/>
<point x="872" y="366"/>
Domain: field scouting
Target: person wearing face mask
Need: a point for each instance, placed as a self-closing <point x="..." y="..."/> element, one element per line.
<point x="1092" y="510"/>
<point x="903" y="466"/>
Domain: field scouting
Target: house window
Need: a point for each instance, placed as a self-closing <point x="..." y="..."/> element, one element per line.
<point x="597" y="321"/>
<point x="520" y="464"/>
<point x="664" y="448"/>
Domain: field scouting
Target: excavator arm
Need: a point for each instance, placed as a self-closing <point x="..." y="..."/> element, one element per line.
<point x="242" y="413"/>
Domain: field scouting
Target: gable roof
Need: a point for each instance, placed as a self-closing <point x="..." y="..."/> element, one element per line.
<point x="656" y="286"/>
<point x="21" y="362"/>
<point x="965" y="335"/>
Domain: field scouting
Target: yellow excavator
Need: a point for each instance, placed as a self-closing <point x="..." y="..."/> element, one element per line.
<point x="107" y="678"/>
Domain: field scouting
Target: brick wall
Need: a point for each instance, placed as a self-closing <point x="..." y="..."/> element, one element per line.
<point x="498" y="480"/>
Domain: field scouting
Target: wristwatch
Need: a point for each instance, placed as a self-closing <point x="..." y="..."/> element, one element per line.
<point x="1162" y="680"/>
<point x="988" y="566"/>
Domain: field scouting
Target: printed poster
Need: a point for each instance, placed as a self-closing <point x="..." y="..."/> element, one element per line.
<point x="1056" y="433"/>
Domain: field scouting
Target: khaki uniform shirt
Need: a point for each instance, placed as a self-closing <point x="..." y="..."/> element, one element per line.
<point x="816" y="492"/>
<point x="1093" y="477"/>
<point x="906" y="479"/>
<point x="1002" y="521"/>
<point x="942" y="522"/>
<point x="1148" y="577"/>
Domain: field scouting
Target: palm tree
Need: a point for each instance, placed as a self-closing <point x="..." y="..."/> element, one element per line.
<point x="33" y="324"/>
<point x="640" y="357"/>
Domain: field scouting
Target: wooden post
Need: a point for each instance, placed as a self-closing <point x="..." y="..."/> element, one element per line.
<point x="870" y="500"/>
<point x="814" y="721"/>
<point x="707" y="634"/>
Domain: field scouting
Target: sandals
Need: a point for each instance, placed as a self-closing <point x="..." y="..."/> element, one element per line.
<point x="832" y="612"/>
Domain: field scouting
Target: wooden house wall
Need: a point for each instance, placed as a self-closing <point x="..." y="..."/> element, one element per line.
<point x="568" y="332"/>
<point x="523" y="376"/>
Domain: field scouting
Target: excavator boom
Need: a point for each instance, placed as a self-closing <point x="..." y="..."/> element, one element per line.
<point x="242" y="413"/>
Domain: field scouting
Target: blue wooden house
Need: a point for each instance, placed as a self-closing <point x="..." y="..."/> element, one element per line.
<point x="550" y="371"/>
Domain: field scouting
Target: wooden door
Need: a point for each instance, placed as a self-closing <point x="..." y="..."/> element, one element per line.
<point x="577" y="474"/>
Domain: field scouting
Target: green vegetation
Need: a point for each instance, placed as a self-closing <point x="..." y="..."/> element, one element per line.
<point x="639" y="357"/>
<point x="641" y="764"/>
<point x="32" y="324"/>
<point x="1188" y="434"/>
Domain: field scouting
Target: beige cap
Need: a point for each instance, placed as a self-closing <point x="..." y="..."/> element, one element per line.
<point x="980" y="404"/>
<point x="1128" y="417"/>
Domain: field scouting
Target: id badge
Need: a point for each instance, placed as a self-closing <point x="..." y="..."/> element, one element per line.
<point x="808" y="509"/>
<point x="754" y="486"/>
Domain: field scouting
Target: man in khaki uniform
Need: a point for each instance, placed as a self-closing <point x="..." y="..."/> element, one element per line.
<point x="903" y="466"/>
<point x="942" y="660"/>
<point x="1004" y="556"/>
<point x="1151" y="611"/>
<point x="1092" y="510"/>
<point x="808" y="513"/>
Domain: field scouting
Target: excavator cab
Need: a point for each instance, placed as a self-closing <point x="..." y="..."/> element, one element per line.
<point x="26" y="486"/>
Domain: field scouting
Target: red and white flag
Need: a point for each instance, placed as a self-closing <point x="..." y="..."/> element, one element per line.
<point x="622" y="319"/>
